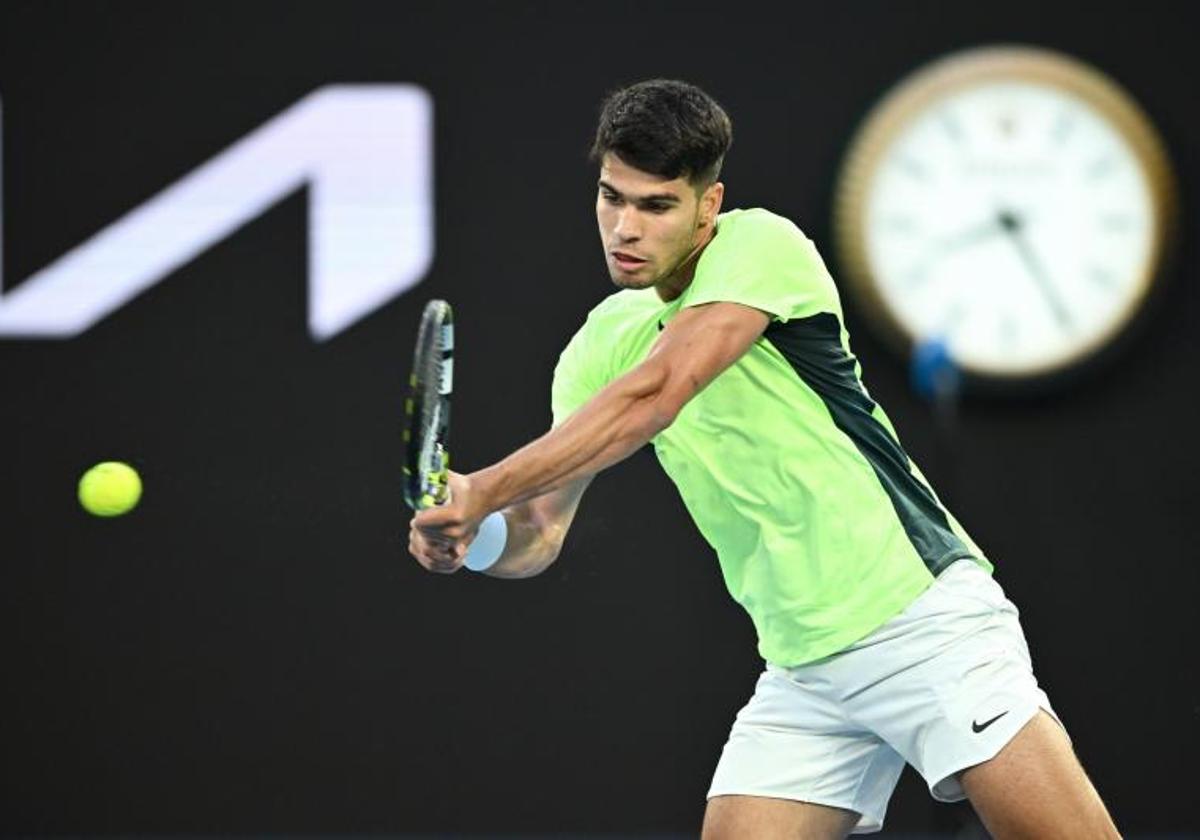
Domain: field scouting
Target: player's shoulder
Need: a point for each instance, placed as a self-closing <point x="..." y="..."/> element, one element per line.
<point x="763" y="259"/>
<point x="757" y="224"/>
<point x="757" y="239"/>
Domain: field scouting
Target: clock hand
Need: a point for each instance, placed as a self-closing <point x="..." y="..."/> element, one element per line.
<point x="1011" y="223"/>
<point x="967" y="237"/>
<point x="953" y="242"/>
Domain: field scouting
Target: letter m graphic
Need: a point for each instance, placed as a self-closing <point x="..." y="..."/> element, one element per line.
<point x="365" y="152"/>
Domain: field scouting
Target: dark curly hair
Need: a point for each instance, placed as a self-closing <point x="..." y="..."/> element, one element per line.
<point x="667" y="128"/>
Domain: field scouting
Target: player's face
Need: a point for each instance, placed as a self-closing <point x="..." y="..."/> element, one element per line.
<point x="651" y="227"/>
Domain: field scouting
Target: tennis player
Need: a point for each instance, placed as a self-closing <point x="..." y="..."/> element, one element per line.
<point x="885" y="638"/>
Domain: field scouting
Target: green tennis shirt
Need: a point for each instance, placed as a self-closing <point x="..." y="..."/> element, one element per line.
<point x="823" y="526"/>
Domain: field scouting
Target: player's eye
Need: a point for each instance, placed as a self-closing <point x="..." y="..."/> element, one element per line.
<point x="611" y="198"/>
<point x="656" y="207"/>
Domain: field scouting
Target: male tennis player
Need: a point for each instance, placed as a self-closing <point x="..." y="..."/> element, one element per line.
<point x="885" y="638"/>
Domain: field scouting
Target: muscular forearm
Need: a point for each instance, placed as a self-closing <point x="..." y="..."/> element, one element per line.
<point x="618" y="421"/>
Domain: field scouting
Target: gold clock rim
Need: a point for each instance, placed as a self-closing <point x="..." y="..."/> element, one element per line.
<point x="958" y="71"/>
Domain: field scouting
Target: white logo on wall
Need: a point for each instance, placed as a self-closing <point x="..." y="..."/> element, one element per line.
<point x="365" y="151"/>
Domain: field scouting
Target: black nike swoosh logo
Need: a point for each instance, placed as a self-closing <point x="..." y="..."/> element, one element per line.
<point x="979" y="727"/>
<point x="660" y="326"/>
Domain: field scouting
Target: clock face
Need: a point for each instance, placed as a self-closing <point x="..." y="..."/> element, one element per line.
<point x="1012" y="216"/>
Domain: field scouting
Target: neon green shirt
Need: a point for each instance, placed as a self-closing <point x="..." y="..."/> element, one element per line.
<point x="823" y="526"/>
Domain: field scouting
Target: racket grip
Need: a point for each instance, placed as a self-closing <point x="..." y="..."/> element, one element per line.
<point x="489" y="542"/>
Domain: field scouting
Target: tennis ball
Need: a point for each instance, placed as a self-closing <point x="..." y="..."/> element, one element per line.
<point x="110" y="488"/>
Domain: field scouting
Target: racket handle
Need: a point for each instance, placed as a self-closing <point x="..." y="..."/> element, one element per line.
<point x="489" y="542"/>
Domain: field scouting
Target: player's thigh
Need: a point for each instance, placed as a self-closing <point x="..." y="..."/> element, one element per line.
<point x="763" y="818"/>
<point x="1035" y="787"/>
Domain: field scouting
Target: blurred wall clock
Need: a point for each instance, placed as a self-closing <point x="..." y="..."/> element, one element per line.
<point x="1012" y="202"/>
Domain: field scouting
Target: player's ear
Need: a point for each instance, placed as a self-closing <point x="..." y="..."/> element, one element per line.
<point x="710" y="204"/>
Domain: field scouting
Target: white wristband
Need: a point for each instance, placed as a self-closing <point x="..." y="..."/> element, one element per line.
<point x="489" y="542"/>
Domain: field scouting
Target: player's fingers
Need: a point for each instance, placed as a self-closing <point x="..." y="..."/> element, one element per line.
<point x="440" y="521"/>
<point x="444" y="536"/>
<point x="424" y="562"/>
<point x="441" y="564"/>
<point x="435" y="517"/>
<point x="433" y="557"/>
<point x="439" y="547"/>
<point x="428" y="541"/>
<point x="445" y="562"/>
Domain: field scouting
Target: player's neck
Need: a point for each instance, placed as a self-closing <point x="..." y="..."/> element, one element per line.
<point x="674" y="284"/>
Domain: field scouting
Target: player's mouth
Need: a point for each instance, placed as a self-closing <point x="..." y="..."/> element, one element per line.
<point x="627" y="262"/>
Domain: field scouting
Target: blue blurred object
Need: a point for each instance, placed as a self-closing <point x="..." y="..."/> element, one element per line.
<point x="932" y="371"/>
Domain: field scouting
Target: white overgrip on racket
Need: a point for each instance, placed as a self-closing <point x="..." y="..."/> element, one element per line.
<point x="489" y="543"/>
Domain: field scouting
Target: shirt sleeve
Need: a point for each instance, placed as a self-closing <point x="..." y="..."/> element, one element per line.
<point x="762" y="260"/>
<point x="574" y="383"/>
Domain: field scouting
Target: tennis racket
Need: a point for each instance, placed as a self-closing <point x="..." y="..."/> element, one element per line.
<point x="427" y="409"/>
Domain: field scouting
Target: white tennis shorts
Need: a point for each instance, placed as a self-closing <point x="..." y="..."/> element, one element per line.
<point x="943" y="686"/>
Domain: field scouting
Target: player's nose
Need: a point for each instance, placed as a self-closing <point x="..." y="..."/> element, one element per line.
<point x="628" y="227"/>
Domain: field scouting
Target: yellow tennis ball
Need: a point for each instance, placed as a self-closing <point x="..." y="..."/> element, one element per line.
<point x="110" y="488"/>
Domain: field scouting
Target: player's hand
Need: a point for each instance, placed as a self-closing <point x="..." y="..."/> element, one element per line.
<point x="440" y="536"/>
<point x="435" y="555"/>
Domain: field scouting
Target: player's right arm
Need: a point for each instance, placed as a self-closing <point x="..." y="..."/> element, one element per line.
<point x="537" y="528"/>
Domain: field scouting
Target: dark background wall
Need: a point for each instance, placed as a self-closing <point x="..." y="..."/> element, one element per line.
<point x="252" y="650"/>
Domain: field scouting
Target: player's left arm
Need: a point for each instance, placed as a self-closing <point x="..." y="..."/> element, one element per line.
<point x="694" y="348"/>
